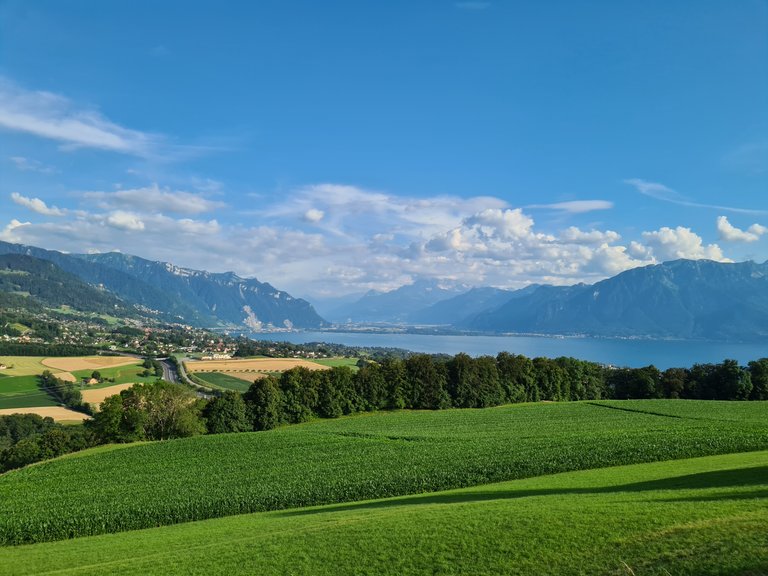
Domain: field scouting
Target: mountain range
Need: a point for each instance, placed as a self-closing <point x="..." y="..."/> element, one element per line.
<point x="173" y="293"/>
<point x="685" y="299"/>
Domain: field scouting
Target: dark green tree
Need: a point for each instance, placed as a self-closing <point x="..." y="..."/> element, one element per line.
<point x="264" y="403"/>
<point x="226" y="413"/>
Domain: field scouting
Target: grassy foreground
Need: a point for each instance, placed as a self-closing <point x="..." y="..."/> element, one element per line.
<point x="701" y="516"/>
<point x="358" y="458"/>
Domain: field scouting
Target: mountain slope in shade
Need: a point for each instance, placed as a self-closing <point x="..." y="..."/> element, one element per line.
<point x="196" y="297"/>
<point x="46" y="283"/>
<point x="226" y="296"/>
<point x="397" y="305"/>
<point x="679" y="299"/>
<point x="470" y="303"/>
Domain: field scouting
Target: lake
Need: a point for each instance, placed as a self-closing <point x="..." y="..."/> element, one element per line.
<point x="634" y="353"/>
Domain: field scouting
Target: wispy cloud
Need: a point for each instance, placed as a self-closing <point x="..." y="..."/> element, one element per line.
<point x="154" y="198"/>
<point x="665" y="194"/>
<point x="576" y="206"/>
<point x="55" y="117"/>
<point x="30" y="165"/>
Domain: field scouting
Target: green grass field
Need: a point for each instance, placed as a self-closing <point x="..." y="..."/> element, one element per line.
<point x="224" y="381"/>
<point x="694" y="517"/>
<point x="23" y="392"/>
<point x="357" y="458"/>
<point x="120" y="374"/>
<point x="333" y="362"/>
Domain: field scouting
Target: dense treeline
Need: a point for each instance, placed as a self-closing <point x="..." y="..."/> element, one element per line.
<point x="425" y="382"/>
<point x="34" y="349"/>
<point x="66" y="393"/>
<point x="28" y="438"/>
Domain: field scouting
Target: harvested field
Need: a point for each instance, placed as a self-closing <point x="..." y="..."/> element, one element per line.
<point x="23" y="365"/>
<point x="97" y="396"/>
<point x="58" y="413"/>
<point x="66" y="376"/>
<point x="251" y="365"/>
<point x="88" y="362"/>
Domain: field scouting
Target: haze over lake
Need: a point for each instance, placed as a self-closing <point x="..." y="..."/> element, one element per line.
<point x="633" y="353"/>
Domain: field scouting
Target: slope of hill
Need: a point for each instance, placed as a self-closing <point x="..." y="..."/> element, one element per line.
<point x="679" y="299"/>
<point x="196" y="297"/>
<point x="702" y="516"/>
<point x="357" y="458"/>
<point x="226" y="296"/>
<point x="46" y="283"/>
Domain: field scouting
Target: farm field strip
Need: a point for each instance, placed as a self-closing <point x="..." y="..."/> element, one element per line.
<point x="239" y="381"/>
<point x="58" y="413"/>
<point x="74" y="363"/>
<point x="647" y="518"/>
<point x="97" y="395"/>
<point x="354" y="458"/>
<point x="252" y="364"/>
<point x="22" y="392"/>
<point x="24" y="365"/>
<point x="123" y="374"/>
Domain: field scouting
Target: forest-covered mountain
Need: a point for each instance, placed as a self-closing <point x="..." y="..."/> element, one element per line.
<point x="24" y="278"/>
<point x="192" y="296"/>
<point x="678" y="299"/>
<point x="224" y="296"/>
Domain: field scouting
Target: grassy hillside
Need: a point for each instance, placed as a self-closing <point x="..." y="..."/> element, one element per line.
<point x="703" y="516"/>
<point x="356" y="458"/>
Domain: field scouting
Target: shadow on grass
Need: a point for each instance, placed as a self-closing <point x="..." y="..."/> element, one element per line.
<point x="740" y="477"/>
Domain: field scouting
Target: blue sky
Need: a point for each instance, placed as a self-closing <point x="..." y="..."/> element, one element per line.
<point x="334" y="147"/>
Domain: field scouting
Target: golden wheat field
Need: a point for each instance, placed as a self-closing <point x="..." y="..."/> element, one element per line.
<point x="251" y="365"/>
<point x="88" y="362"/>
<point x="58" y="413"/>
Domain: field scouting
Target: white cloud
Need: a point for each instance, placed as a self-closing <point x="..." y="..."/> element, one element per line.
<point x="576" y="236"/>
<point x="577" y="206"/>
<point x="36" y="205"/>
<point x="729" y="233"/>
<point x="8" y="234"/>
<point x="153" y="198"/>
<point x="124" y="221"/>
<point x="54" y="117"/>
<point x="364" y="240"/>
<point x="675" y="243"/>
<point x="313" y="215"/>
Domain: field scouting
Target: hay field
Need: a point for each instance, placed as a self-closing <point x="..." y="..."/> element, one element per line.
<point x="97" y="395"/>
<point x="58" y="413"/>
<point x="25" y="365"/>
<point x="251" y="365"/>
<point x="70" y="364"/>
<point x="66" y="376"/>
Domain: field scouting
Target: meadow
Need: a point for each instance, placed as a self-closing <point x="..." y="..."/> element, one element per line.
<point x="219" y="380"/>
<point x="20" y="387"/>
<point x="357" y="458"/>
<point x="695" y="517"/>
<point x="23" y="392"/>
